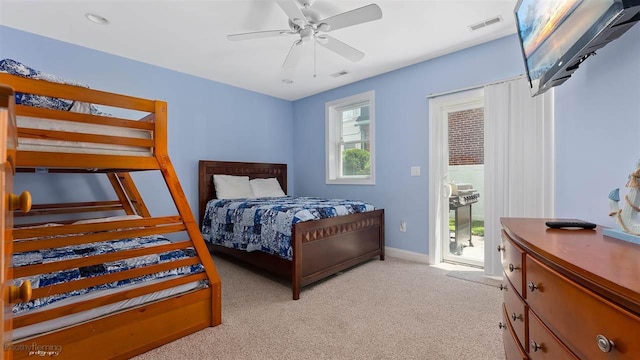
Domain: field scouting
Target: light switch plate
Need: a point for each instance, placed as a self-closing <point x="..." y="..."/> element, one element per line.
<point x="415" y="171"/>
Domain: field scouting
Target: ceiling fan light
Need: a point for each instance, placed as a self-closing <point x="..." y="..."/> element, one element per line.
<point x="306" y="33"/>
<point x="324" y="27"/>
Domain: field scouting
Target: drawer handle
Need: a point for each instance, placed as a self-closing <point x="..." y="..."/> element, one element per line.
<point x="515" y="317"/>
<point x="502" y="325"/>
<point x="604" y="344"/>
<point x="535" y="346"/>
<point x="500" y="248"/>
<point x="502" y="287"/>
<point x="513" y="268"/>
<point x="532" y="286"/>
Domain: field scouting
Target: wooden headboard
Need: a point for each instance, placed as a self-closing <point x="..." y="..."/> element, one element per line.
<point x="206" y="170"/>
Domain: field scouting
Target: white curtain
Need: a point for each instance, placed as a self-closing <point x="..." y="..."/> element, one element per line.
<point x="519" y="153"/>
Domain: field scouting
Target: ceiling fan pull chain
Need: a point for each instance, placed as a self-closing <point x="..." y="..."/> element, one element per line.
<point x="314" y="58"/>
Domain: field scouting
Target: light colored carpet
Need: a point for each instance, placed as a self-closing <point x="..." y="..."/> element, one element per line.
<point x="474" y="276"/>
<point x="392" y="309"/>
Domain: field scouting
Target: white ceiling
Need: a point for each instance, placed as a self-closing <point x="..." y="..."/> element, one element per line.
<point x="190" y="36"/>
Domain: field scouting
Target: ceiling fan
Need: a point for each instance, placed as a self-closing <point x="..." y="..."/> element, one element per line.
<point x="307" y="24"/>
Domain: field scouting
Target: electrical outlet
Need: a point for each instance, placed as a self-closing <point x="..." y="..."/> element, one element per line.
<point x="415" y="171"/>
<point x="403" y="226"/>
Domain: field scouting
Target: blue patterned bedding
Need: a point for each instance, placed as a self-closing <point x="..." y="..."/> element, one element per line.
<point x="17" y="68"/>
<point x="265" y="224"/>
<point x="78" y="251"/>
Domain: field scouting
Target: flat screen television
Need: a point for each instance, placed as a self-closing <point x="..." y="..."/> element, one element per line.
<point x="556" y="36"/>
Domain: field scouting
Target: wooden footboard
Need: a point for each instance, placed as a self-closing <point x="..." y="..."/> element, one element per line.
<point x="324" y="247"/>
<point x="321" y="248"/>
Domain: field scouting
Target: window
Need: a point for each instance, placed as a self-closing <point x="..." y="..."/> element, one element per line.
<point x="350" y="140"/>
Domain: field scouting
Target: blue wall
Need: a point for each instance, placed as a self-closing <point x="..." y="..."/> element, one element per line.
<point x="207" y="120"/>
<point x="598" y="130"/>
<point x="401" y="133"/>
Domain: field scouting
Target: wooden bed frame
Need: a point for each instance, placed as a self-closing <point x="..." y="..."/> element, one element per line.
<point x="126" y="333"/>
<point x="321" y="248"/>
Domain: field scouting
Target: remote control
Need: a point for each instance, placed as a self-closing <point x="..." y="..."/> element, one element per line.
<point x="570" y="224"/>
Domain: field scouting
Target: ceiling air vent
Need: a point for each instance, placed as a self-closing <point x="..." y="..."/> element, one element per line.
<point x="487" y="22"/>
<point x="340" y="73"/>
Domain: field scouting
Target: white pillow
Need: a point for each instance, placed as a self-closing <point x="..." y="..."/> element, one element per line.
<point x="266" y="188"/>
<point x="232" y="187"/>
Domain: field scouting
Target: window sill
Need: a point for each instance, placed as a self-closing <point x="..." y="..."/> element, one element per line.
<point x="366" y="181"/>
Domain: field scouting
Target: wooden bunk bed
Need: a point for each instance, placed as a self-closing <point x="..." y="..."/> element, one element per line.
<point x="321" y="248"/>
<point x="134" y="329"/>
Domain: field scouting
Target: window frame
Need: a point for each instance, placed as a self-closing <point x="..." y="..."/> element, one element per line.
<point x="333" y="141"/>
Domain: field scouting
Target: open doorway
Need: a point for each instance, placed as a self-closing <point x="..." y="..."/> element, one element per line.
<point x="465" y="133"/>
<point x="456" y="210"/>
<point x="519" y="167"/>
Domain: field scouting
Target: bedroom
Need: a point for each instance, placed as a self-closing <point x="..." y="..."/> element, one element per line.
<point x="598" y="106"/>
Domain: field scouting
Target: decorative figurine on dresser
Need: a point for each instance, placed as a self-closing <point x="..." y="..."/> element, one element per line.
<point x="627" y="216"/>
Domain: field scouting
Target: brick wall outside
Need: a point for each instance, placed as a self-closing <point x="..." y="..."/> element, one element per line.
<point x="466" y="137"/>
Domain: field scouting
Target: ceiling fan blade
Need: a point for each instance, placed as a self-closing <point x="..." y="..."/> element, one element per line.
<point x="354" y="17"/>
<point x="258" y="35"/>
<point x="293" y="12"/>
<point x="293" y="56"/>
<point x="341" y="48"/>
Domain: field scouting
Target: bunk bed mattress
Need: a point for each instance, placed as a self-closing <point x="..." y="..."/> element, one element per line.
<point x="68" y="275"/>
<point x="25" y="332"/>
<point x="266" y="224"/>
<point x="46" y="145"/>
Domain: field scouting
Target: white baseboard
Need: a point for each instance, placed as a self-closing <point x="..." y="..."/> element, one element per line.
<point x="406" y="255"/>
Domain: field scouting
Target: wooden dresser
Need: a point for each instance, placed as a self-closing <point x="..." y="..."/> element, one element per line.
<point x="568" y="294"/>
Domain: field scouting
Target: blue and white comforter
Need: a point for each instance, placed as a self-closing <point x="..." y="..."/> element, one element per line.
<point x="17" y="68"/>
<point x="265" y="224"/>
<point x="78" y="251"/>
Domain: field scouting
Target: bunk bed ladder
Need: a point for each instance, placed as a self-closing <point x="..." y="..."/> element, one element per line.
<point x="171" y="179"/>
<point x="128" y="194"/>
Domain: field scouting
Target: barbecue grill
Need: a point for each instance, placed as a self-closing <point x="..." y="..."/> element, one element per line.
<point x="461" y="196"/>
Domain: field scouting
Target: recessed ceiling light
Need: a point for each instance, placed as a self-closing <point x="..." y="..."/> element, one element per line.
<point x="287" y="81"/>
<point x="96" y="18"/>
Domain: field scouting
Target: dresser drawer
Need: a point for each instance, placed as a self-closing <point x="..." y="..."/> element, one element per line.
<point x="512" y="348"/>
<point x="543" y="344"/>
<point x="512" y="264"/>
<point x="516" y="314"/>
<point x="592" y="327"/>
